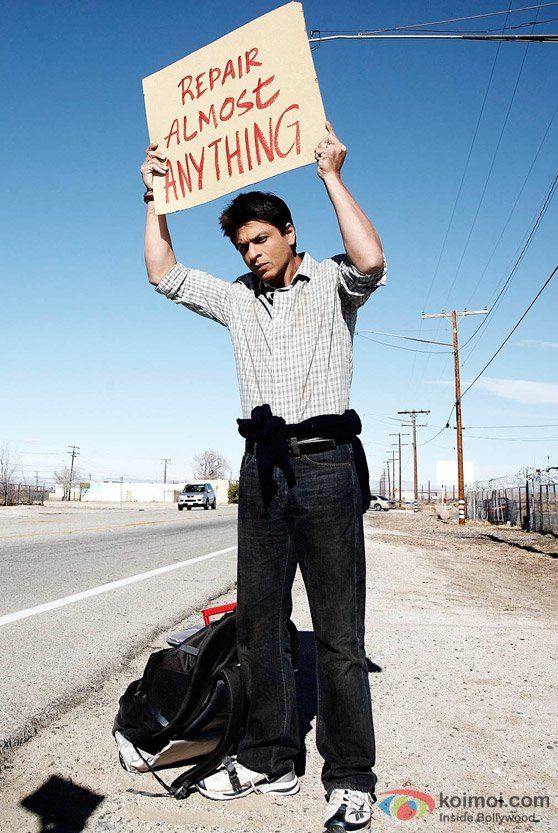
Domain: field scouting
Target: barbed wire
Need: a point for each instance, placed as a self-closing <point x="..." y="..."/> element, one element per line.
<point x="546" y="477"/>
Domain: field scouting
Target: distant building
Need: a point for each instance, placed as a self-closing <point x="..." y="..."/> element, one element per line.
<point x="446" y="473"/>
<point x="115" y="491"/>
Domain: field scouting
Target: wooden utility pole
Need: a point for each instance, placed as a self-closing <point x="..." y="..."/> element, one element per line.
<point x="400" y="444"/>
<point x="75" y="453"/>
<point x="165" y="460"/>
<point x="458" y="419"/>
<point x="392" y="461"/>
<point x="388" y="478"/>
<point x="413" y="416"/>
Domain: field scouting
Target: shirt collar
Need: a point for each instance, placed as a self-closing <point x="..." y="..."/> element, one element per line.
<point x="304" y="272"/>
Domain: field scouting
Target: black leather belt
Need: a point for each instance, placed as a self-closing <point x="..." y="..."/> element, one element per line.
<point x="299" y="447"/>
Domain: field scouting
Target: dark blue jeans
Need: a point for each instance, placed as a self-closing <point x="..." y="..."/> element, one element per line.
<point x="317" y="524"/>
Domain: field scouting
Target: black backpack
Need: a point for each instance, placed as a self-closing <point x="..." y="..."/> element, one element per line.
<point x="188" y="708"/>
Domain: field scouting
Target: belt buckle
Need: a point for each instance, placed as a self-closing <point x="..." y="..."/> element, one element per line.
<point x="294" y="448"/>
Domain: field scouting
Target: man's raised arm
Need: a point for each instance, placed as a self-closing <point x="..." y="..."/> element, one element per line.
<point x="360" y="238"/>
<point x="196" y="290"/>
<point x="159" y="256"/>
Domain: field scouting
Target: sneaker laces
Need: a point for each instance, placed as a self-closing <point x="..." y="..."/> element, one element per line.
<point x="356" y="796"/>
<point x="353" y="798"/>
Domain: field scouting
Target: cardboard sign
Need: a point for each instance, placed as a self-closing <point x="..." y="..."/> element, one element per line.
<point x="242" y="109"/>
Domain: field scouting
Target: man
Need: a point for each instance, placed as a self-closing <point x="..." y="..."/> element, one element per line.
<point x="303" y="478"/>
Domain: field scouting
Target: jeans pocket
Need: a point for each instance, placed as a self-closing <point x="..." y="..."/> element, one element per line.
<point x="246" y="461"/>
<point x="337" y="457"/>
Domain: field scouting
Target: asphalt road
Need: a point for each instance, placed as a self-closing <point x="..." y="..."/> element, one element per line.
<point x="87" y="564"/>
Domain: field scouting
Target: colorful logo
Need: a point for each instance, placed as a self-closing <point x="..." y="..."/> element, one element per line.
<point x="405" y="804"/>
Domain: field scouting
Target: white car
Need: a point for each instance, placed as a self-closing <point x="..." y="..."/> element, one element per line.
<point x="197" y="494"/>
<point x="379" y="502"/>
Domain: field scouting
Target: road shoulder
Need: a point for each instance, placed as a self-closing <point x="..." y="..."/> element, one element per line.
<point x="461" y="637"/>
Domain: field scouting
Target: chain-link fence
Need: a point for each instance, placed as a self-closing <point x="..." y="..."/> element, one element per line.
<point x="22" y="493"/>
<point x="532" y="506"/>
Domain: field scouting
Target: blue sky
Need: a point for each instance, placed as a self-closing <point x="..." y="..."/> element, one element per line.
<point x="92" y="356"/>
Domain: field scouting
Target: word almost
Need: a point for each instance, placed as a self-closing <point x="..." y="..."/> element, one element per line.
<point x="235" y="153"/>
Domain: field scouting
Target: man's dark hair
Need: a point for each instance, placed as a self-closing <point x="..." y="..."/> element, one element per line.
<point x="255" y="205"/>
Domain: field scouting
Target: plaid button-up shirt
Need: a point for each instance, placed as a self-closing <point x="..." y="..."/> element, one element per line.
<point x="293" y="345"/>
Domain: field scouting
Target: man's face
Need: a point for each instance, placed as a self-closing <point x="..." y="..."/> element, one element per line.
<point x="266" y="251"/>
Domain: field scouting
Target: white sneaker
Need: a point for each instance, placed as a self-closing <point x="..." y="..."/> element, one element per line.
<point x="348" y="810"/>
<point x="232" y="780"/>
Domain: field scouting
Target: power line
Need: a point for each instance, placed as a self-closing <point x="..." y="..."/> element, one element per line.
<point x="379" y="417"/>
<point x="447" y="425"/>
<point x="550" y="38"/>
<point x="512" y="331"/>
<point x="483" y="427"/>
<point x="533" y="23"/>
<point x="443" y="428"/>
<point x="514" y="439"/>
<point x="435" y="435"/>
<point x="465" y="170"/>
<point x="514" y="206"/>
<point x="489" y="174"/>
<point x="407" y="338"/>
<point x="448" y="20"/>
<point x="524" y="25"/>
<point x="460" y="188"/>
<point x="542" y="211"/>
<point x="408" y="349"/>
<point x="46" y="453"/>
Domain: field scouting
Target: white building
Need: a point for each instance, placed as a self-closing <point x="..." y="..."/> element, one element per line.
<point x="131" y="492"/>
<point x="446" y="473"/>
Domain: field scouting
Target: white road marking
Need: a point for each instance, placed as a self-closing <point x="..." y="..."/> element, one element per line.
<point x="106" y="588"/>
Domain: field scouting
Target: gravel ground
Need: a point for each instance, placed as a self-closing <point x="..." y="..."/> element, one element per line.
<point x="461" y="631"/>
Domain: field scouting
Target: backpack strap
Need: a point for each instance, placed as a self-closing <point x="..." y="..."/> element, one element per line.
<point x="169" y="790"/>
<point x="183" y="784"/>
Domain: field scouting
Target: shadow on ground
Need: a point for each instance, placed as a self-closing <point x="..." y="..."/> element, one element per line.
<point x="307" y="692"/>
<point x="517" y="545"/>
<point x="61" y="806"/>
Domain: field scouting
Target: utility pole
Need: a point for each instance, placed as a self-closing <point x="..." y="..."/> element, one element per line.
<point x="392" y="461"/>
<point x="388" y="478"/>
<point x="165" y="460"/>
<point x="75" y="453"/>
<point x="413" y="416"/>
<point x="37" y="480"/>
<point x="400" y="444"/>
<point x="458" y="419"/>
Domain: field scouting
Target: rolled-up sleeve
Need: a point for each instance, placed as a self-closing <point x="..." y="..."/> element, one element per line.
<point x="200" y="292"/>
<point x="356" y="287"/>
